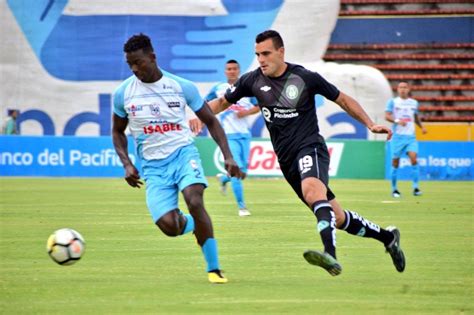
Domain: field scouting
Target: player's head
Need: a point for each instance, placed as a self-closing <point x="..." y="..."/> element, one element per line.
<point x="140" y="57"/>
<point x="403" y="89"/>
<point x="270" y="53"/>
<point x="232" y="70"/>
<point x="13" y="113"/>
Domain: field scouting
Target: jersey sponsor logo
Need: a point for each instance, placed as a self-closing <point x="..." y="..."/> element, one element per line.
<point x="134" y="109"/>
<point x="265" y="88"/>
<point x="285" y="113"/>
<point x="292" y="92"/>
<point x="267" y="114"/>
<point x="173" y="104"/>
<point x="161" y="128"/>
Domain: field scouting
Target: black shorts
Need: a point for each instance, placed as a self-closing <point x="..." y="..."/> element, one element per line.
<point x="309" y="162"/>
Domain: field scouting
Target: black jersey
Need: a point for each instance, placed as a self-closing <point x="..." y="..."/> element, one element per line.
<point x="287" y="105"/>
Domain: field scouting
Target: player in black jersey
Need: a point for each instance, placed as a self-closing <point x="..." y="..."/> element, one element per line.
<point x="285" y="94"/>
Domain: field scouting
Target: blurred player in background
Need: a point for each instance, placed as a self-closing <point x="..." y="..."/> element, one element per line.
<point x="10" y="126"/>
<point x="152" y="104"/>
<point x="285" y="94"/>
<point x="402" y="111"/>
<point x="236" y="128"/>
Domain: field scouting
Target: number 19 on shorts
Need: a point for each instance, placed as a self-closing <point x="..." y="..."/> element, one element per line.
<point x="305" y="164"/>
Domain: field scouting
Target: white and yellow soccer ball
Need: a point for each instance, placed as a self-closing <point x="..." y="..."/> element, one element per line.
<point x="65" y="246"/>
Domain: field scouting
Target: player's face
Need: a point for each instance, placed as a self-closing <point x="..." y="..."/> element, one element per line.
<point x="271" y="60"/>
<point x="232" y="72"/>
<point x="403" y="90"/>
<point x="143" y="65"/>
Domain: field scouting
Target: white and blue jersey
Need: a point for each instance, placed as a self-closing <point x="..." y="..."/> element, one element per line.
<point x="157" y="120"/>
<point x="403" y="110"/>
<point x="156" y="113"/>
<point x="234" y="127"/>
<point x="404" y="139"/>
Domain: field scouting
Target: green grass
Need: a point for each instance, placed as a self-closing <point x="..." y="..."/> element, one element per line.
<point x="130" y="267"/>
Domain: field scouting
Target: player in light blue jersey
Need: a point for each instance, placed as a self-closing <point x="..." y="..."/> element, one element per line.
<point x="236" y="128"/>
<point x="151" y="103"/>
<point x="402" y="111"/>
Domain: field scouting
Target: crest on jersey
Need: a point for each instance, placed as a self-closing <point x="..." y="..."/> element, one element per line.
<point x="292" y="92"/>
<point x="155" y="110"/>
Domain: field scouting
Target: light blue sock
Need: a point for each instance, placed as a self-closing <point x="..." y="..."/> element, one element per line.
<point x="238" y="190"/>
<point x="189" y="224"/>
<point x="209" y="249"/>
<point x="415" y="175"/>
<point x="224" y="179"/>
<point x="394" y="178"/>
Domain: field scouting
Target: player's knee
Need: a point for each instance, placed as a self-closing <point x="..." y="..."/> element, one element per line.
<point x="169" y="226"/>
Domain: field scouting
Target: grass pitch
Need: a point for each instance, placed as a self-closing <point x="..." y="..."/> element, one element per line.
<point x="131" y="268"/>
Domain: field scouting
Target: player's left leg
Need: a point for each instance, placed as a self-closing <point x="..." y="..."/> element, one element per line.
<point x="355" y="224"/>
<point x="238" y="147"/>
<point x="191" y="182"/>
<point x="415" y="169"/>
<point x="193" y="195"/>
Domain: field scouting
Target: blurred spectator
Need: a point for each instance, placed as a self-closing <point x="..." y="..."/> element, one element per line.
<point x="10" y="126"/>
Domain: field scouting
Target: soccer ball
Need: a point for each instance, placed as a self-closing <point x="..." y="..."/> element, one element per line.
<point x="65" y="246"/>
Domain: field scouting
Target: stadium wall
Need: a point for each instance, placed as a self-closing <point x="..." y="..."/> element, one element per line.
<point x="95" y="157"/>
<point x="63" y="59"/>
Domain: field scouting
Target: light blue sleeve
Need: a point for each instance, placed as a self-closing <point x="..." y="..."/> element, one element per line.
<point x="191" y="94"/>
<point x="212" y="93"/>
<point x="119" y="99"/>
<point x="417" y="106"/>
<point x="254" y="101"/>
<point x="390" y="105"/>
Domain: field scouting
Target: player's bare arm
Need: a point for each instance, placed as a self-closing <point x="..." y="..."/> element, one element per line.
<point x="353" y="108"/>
<point x="248" y="112"/>
<point x="419" y="124"/>
<point x="121" y="147"/>
<point x="207" y="117"/>
<point x="217" y="105"/>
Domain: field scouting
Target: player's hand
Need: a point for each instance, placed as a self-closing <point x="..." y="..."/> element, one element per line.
<point x="132" y="177"/>
<point x="382" y="129"/>
<point x="242" y="113"/>
<point x="233" y="169"/>
<point x="423" y="130"/>
<point x="195" y="125"/>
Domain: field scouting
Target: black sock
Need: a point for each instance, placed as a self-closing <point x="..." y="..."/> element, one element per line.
<point x="326" y="225"/>
<point x="355" y="224"/>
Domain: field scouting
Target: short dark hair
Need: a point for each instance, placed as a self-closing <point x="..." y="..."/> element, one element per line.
<point x="270" y="34"/>
<point x="137" y="42"/>
<point x="231" y="61"/>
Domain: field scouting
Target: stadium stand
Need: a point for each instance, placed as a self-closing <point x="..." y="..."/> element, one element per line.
<point x="425" y="42"/>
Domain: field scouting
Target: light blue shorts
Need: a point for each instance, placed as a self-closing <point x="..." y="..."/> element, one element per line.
<point x="403" y="144"/>
<point x="240" y="149"/>
<point x="166" y="178"/>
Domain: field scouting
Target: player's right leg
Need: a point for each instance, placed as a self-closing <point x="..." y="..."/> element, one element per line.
<point x="308" y="176"/>
<point x="162" y="202"/>
<point x="394" y="175"/>
<point x="353" y="223"/>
